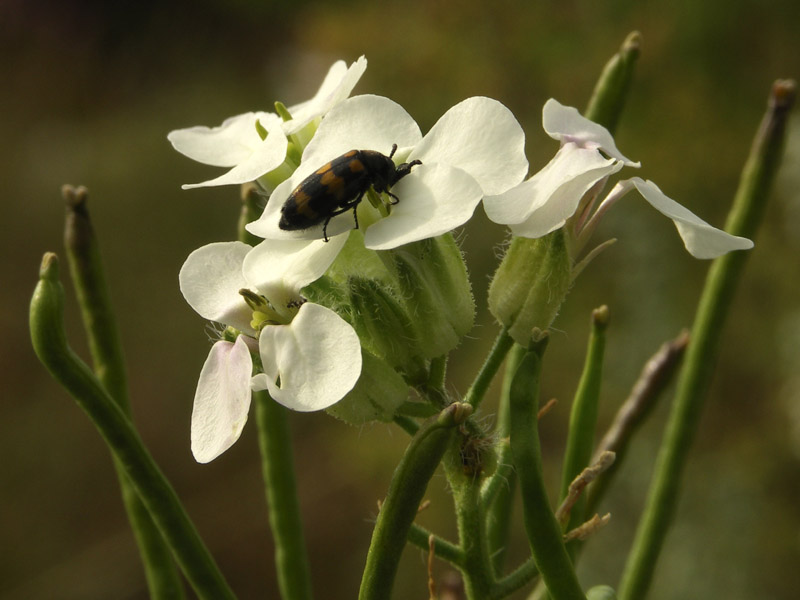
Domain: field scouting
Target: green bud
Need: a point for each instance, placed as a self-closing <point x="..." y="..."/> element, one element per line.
<point x="383" y="325"/>
<point x="433" y="282"/>
<point x="376" y="397"/>
<point x="530" y="284"/>
<point x="608" y="98"/>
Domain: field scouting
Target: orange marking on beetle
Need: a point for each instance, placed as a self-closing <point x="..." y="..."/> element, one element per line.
<point x="329" y="178"/>
<point x="355" y="165"/>
<point x="323" y="169"/>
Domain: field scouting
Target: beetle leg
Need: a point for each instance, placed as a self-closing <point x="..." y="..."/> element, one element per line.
<point x="350" y="205"/>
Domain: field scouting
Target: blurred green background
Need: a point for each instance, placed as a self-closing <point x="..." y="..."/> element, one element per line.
<point x="90" y="90"/>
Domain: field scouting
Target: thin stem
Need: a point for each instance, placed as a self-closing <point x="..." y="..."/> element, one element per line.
<point x="407" y="424"/>
<point x="277" y="464"/>
<point x="583" y="418"/>
<point x="419" y="536"/>
<point x="656" y="375"/>
<point x="497" y="354"/>
<point x="514" y="580"/>
<point x="497" y="491"/>
<point x="544" y="533"/>
<point x="744" y="219"/>
<point x="50" y="344"/>
<point x="86" y="268"/>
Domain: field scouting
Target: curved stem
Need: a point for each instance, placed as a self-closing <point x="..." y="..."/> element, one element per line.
<point x="88" y="277"/>
<point x="419" y="536"/>
<point x="408" y="485"/>
<point x="50" y="344"/>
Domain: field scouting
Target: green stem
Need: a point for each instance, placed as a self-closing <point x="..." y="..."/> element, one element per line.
<point x="277" y="464"/>
<point x="407" y="424"/>
<point x="476" y="392"/>
<point x="443" y="549"/>
<point x="50" y="344"/>
<point x="583" y="418"/>
<point x="477" y="570"/>
<point x="497" y="491"/>
<point x="408" y="485"/>
<point x="514" y="580"/>
<point x="544" y="532"/>
<point x="86" y="268"/>
<point x="746" y="215"/>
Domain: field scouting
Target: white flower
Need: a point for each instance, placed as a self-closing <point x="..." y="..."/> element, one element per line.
<point x="475" y="149"/>
<point x="587" y="157"/>
<point x="237" y="143"/>
<point x="311" y="357"/>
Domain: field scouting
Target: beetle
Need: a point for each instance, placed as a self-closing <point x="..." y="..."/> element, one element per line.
<point x="339" y="186"/>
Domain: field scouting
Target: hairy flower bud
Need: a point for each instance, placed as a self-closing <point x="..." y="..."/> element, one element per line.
<point x="435" y="288"/>
<point x="530" y="284"/>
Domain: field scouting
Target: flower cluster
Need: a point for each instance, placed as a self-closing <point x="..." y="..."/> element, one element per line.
<point x="312" y="313"/>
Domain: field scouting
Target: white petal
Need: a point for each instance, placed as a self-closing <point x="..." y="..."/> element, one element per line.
<point x="482" y="137"/>
<point x="434" y="199"/>
<point x="210" y="280"/>
<point x="566" y="124"/>
<point x="317" y="358"/>
<point x="222" y="399"/>
<point x="545" y="201"/>
<point x="360" y="123"/>
<point x="223" y="146"/>
<point x="338" y="84"/>
<point x="280" y="268"/>
<point x="267" y="155"/>
<point x="701" y="239"/>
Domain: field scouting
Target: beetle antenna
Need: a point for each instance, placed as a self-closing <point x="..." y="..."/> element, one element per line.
<point x="394" y="149"/>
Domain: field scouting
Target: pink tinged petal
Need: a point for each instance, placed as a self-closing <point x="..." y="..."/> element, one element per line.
<point x="311" y="363"/>
<point x="544" y="202"/>
<point x="280" y="268"/>
<point x="701" y="239"/>
<point x="210" y="281"/>
<point x="434" y="199"/>
<point x="482" y="137"/>
<point x="338" y="84"/>
<point x="222" y="399"/>
<point x="566" y="124"/>
<point x="267" y="155"/>
<point x="223" y="146"/>
<point x="359" y="123"/>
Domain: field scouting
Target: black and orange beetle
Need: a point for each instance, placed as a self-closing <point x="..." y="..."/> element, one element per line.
<point x="339" y="186"/>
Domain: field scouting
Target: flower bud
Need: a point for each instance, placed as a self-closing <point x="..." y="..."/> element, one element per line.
<point x="384" y="326"/>
<point x="432" y="280"/>
<point x="376" y="396"/>
<point x="530" y="284"/>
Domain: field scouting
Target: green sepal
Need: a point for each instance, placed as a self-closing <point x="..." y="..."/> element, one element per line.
<point x="376" y="396"/>
<point x="383" y="325"/>
<point x="433" y="282"/>
<point x="530" y="284"/>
